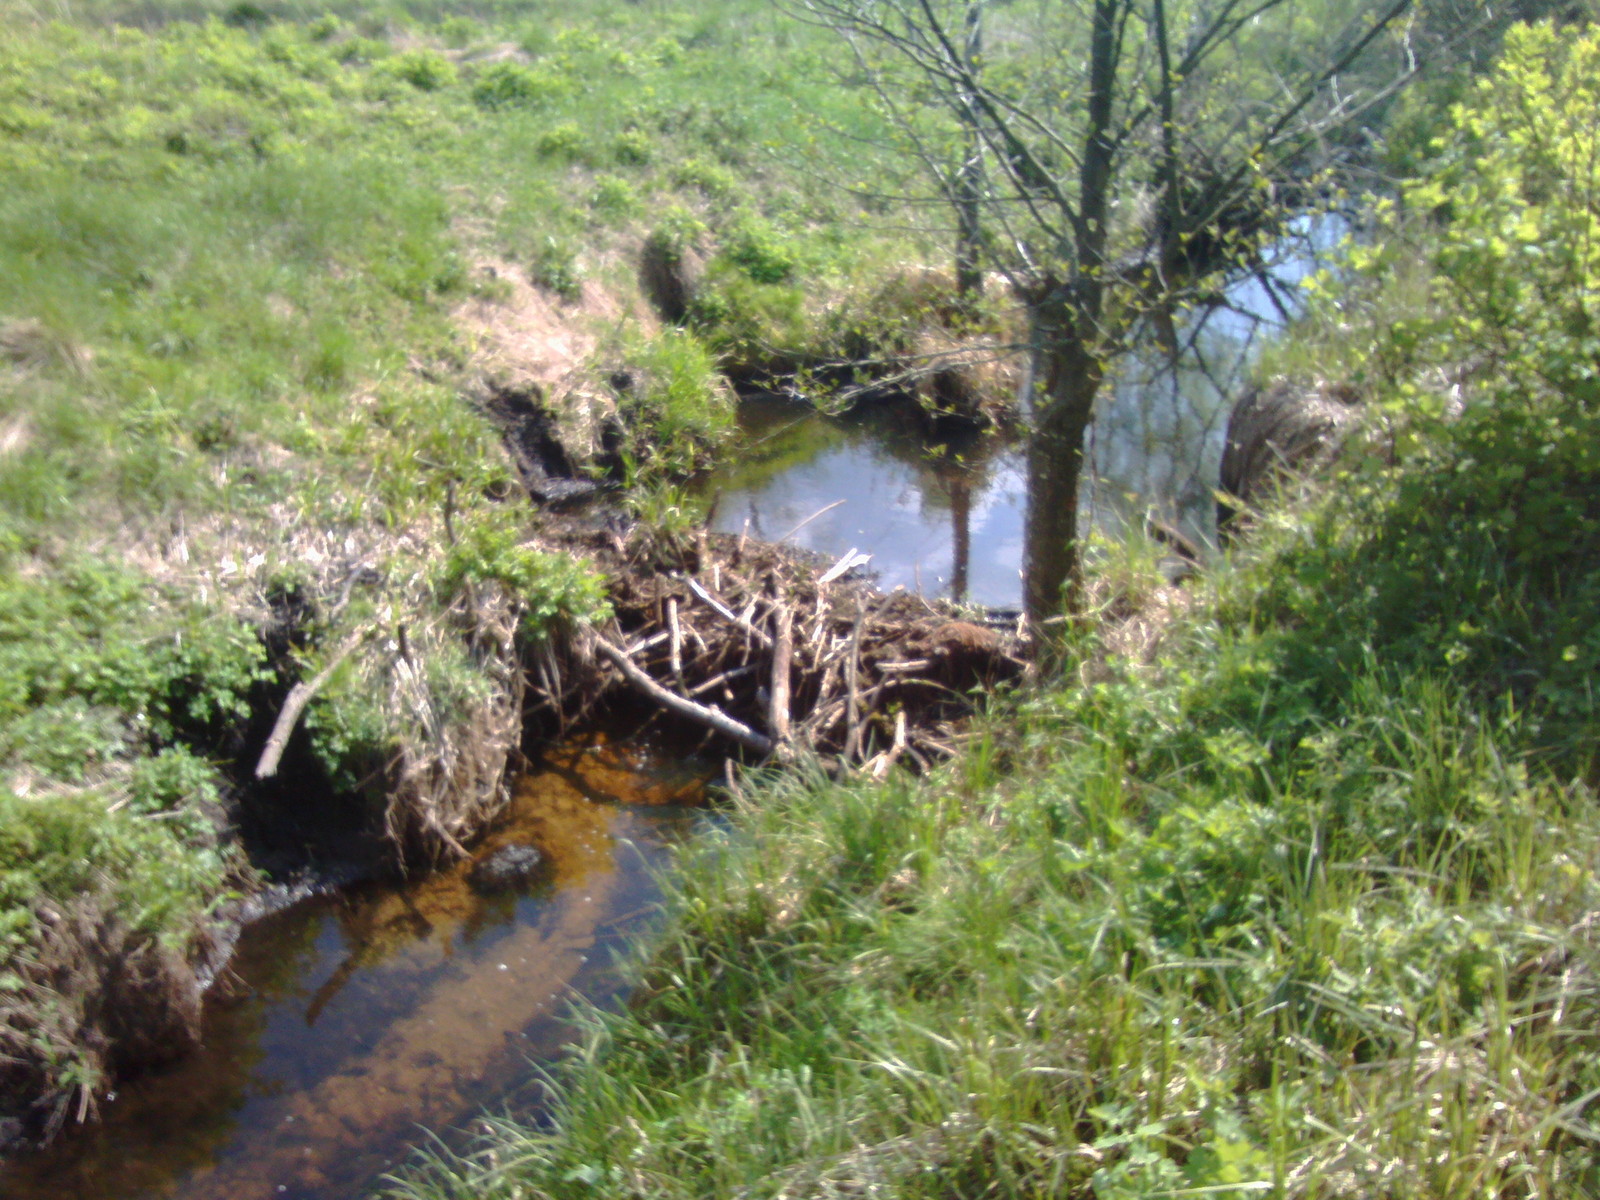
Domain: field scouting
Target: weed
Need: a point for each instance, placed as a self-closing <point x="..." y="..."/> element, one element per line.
<point x="512" y="85"/>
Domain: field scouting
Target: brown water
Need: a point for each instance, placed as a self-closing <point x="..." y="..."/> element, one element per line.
<point x="356" y="1021"/>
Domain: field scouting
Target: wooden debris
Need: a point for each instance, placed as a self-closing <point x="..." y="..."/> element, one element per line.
<point x="799" y="655"/>
<point x="294" y="705"/>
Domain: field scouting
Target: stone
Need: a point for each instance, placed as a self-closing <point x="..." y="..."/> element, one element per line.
<point x="507" y="868"/>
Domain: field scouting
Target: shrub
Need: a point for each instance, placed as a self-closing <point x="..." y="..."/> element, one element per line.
<point x="760" y="251"/>
<point x="550" y="588"/>
<point x="513" y="85"/>
<point x="565" y="141"/>
<point x="632" y="148"/>
<point x="555" y="266"/>
<point x="425" y="70"/>
<point x="613" y="197"/>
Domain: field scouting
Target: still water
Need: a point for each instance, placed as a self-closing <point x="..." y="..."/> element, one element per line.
<point x="942" y="520"/>
<point x="348" y="1024"/>
<point x="946" y="518"/>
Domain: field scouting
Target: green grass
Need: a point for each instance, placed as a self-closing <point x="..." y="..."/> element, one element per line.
<point x="1260" y="917"/>
<point x="1295" y="899"/>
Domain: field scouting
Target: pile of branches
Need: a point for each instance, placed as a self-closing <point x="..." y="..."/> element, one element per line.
<point x="777" y="652"/>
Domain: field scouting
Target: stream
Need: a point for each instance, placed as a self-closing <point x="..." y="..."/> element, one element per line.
<point x="346" y="1024"/>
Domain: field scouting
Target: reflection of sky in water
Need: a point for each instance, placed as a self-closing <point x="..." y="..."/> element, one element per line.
<point x="901" y="511"/>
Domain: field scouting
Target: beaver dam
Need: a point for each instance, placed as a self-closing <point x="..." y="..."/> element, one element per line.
<point x="776" y="651"/>
<point x="345" y="1022"/>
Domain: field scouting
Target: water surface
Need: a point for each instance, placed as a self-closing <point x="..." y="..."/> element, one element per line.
<point x="349" y="1024"/>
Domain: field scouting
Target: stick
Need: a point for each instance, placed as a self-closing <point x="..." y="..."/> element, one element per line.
<point x="882" y="764"/>
<point x="852" y="673"/>
<point x="717" y="681"/>
<point x="726" y="613"/>
<point x="825" y="509"/>
<point x="648" y="643"/>
<point x="295" y="704"/>
<point x="711" y="718"/>
<point x="852" y="559"/>
<point x="677" y="640"/>
<point x="778" y="710"/>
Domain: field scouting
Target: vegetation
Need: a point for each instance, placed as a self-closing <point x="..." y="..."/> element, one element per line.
<point x="1115" y="163"/>
<point x="1286" y="889"/>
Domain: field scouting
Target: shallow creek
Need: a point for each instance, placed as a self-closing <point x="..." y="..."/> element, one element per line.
<point x="347" y="1024"/>
<point x="945" y="518"/>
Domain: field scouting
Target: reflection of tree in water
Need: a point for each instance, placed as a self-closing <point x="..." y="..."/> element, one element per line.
<point x="946" y="473"/>
<point x="1157" y="440"/>
<point x="1156" y="443"/>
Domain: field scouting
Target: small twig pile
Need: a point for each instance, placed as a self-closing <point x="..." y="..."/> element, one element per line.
<point x="776" y="652"/>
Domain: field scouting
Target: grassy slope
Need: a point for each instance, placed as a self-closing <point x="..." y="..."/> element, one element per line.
<point x="232" y="257"/>
<point x="1288" y="889"/>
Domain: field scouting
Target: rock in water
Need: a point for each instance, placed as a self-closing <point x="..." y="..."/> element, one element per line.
<point x="507" y="868"/>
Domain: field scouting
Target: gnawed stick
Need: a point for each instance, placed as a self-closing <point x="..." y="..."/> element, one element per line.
<point x="710" y="717"/>
<point x="883" y="763"/>
<point x="778" y="710"/>
<point x="852" y="679"/>
<point x="294" y="704"/>
<point x="717" y="681"/>
<point x="726" y="613"/>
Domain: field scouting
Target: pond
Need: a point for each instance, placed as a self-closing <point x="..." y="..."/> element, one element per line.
<point x="945" y="517"/>
<point x="345" y="1024"/>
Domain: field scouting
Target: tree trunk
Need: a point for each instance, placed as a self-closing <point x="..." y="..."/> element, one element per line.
<point x="1067" y="376"/>
<point x="968" y="190"/>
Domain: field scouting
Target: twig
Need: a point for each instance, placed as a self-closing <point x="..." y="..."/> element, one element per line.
<point x="677" y="641"/>
<point x="852" y="674"/>
<point x="882" y="764"/>
<point x="719" y="680"/>
<point x="827" y="508"/>
<point x="710" y="717"/>
<point x="851" y="560"/>
<point x="294" y="704"/>
<point x="910" y="666"/>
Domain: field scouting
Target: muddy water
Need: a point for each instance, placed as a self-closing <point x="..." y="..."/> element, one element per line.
<point x="351" y="1022"/>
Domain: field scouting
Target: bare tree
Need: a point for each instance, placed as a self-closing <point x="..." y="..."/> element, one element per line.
<point x="1136" y="151"/>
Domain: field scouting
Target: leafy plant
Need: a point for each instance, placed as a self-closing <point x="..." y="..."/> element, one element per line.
<point x="509" y="85"/>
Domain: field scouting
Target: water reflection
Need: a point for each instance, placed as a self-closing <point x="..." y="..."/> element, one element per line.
<point x="943" y="520"/>
<point x="947" y="519"/>
<point x="350" y="1022"/>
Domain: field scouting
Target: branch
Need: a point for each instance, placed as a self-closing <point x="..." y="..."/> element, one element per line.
<point x="294" y="704"/>
<point x="709" y="716"/>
